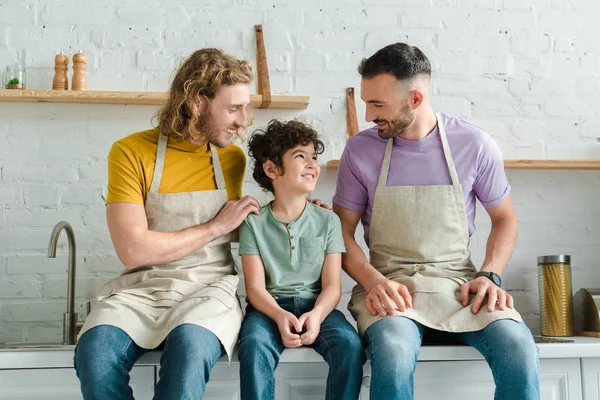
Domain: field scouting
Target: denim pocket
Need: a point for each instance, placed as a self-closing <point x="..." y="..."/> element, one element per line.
<point x="312" y="249"/>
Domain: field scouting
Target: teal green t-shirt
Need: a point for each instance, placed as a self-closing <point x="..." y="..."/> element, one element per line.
<point x="292" y="253"/>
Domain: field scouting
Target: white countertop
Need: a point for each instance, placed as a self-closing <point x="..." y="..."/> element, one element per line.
<point x="62" y="357"/>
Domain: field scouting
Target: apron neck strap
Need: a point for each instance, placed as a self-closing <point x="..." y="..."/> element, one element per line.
<point x="161" y="149"/>
<point x="385" y="167"/>
<point x="447" y="153"/>
<point x="219" y="177"/>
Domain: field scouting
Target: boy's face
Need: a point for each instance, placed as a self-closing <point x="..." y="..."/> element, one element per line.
<point x="301" y="170"/>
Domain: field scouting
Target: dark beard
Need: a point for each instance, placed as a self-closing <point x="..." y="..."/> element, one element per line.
<point x="399" y="125"/>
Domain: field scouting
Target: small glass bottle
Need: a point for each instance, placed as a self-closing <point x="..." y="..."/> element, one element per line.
<point x="556" y="295"/>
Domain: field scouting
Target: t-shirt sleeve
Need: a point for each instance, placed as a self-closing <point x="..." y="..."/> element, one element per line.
<point x="248" y="243"/>
<point x="491" y="185"/>
<point x="350" y="192"/>
<point x="335" y="240"/>
<point x="125" y="177"/>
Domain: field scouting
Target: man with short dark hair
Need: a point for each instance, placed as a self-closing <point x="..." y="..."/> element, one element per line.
<point x="413" y="181"/>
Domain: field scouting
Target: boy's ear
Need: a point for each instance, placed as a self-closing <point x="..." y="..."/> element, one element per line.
<point x="270" y="169"/>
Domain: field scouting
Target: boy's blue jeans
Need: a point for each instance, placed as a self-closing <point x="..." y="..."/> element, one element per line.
<point x="261" y="346"/>
<point x="105" y="355"/>
<point x="507" y="346"/>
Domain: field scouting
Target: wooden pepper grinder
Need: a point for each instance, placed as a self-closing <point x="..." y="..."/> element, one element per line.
<point x="79" y="67"/>
<point x="61" y="79"/>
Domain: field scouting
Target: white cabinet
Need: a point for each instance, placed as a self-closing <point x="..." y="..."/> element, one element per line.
<point x="303" y="381"/>
<point x="450" y="380"/>
<point x="306" y="378"/>
<point x="591" y="378"/>
<point x="293" y="381"/>
<point x="561" y="379"/>
<point x="453" y="380"/>
<point x="62" y="383"/>
<point x="224" y="383"/>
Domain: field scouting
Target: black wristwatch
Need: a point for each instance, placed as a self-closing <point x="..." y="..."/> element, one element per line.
<point x="494" y="277"/>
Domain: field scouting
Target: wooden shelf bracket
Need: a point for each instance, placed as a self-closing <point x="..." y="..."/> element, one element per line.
<point x="262" y="69"/>
<point x="351" y="119"/>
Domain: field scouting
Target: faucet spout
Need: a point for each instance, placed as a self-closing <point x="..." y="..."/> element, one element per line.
<point x="70" y="317"/>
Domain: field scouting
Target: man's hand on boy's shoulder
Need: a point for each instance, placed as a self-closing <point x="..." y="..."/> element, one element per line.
<point x="233" y="214"/>
<point x="319" y="203"/>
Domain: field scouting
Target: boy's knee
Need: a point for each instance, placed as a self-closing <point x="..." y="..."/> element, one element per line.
<point x="351" y="344"/>
<point x="255" y="341"/>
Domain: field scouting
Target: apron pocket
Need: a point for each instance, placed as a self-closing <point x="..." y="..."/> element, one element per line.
<point x="311" y="250"/>
<point x="151" y="295"/>
<point x="216" y="292"/>
<point x="224" y="287"/>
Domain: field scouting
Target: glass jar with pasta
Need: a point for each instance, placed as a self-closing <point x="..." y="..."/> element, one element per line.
<point x="556" y="295"/>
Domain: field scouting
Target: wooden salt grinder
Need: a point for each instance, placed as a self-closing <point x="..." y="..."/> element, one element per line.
<point x="61" y="79"/>
<point x="79" y="67"/>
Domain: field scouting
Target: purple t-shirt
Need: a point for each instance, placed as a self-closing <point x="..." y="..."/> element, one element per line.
<point x="476" y="156"/>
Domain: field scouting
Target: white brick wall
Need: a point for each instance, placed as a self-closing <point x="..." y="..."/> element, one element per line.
<point x="527" y="71"/>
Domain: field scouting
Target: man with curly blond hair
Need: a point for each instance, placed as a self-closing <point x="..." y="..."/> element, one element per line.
<point x="174" y="203"/>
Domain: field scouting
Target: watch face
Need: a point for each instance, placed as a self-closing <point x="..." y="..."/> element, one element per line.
<point x="496" y="280"/>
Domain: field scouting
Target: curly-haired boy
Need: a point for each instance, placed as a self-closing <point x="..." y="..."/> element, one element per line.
<point x="291" y="256"/>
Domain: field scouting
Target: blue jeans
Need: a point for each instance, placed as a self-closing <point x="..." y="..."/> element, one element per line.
<point x="105" y="355"/>
<point x="260" y="348"/>
<point x="507" y="346"/>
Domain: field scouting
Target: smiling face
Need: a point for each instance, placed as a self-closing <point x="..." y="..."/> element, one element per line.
<point x="388" y="104"/>
<point x="284" y="156"/>
<point x="208" y="95"/>
<point x="301" y="171"/>
<point x="226" y="115"/>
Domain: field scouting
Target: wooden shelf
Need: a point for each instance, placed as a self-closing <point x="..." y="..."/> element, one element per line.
<point x="530" y="164"/>
<point x="552" y="164"/>
<point x="141" y="98"/>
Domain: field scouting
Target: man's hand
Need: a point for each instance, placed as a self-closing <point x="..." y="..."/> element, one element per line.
<point x="233" y="214"/>
<point x="387" y="298"/>
<point x="285" y="321"/>
<point x="319" y="203"/>
<point x="483" y="287"/>
<point x="312" y="321"/>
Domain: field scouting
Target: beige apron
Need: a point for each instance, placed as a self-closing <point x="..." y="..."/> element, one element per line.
<point x="419" y="237"/>
<point x="200" y="288"/>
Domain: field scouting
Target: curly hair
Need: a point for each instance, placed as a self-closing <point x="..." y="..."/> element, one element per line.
<point x="273" y="142"/>
<point x="202" y="74"/>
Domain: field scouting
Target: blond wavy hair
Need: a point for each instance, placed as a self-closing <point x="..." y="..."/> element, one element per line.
<point x="202" y="74"/>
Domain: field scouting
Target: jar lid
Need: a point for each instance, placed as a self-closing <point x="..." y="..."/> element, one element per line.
<point x="557" y="259"/>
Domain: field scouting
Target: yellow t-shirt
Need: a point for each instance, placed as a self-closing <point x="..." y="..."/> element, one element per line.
<point x="187" y="168"/>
